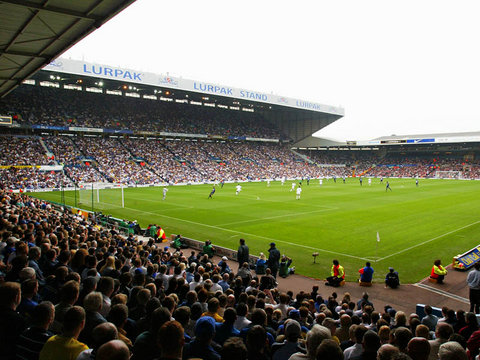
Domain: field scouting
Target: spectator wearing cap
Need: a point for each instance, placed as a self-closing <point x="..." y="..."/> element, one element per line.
<point x="201" y="345"/>
<point x="285" y="349"/>
<point x="391" y="279"/>
<point x="273" y="259"/>
<point x="223" y="265"/>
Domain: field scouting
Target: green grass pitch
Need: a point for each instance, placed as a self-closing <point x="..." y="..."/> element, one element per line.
<point x="437" y="219"/>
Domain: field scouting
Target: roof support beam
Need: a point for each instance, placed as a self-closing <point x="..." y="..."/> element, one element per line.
<point x="22" y="53"/>
<point x="52" y="9"/>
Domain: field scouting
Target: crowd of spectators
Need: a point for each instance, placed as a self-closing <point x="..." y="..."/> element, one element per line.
<point x="70" y="289"/>
<point x="22" y="151"/>
<point x="139" y="161"/>
<point x="115" y="162"/>
<point x="37" y="105"/>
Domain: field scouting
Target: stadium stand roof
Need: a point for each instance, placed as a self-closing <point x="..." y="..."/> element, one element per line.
<point x="34" y="32"/>
<point x="434" y="135"/>
<point x="296" y="118"/>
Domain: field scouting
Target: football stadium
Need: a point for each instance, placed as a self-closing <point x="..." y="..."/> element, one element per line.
<point x="131" y="198"/>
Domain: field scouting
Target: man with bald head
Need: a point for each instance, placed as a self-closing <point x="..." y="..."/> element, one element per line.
<point x="101" y="334"/>
<point x="452" y="350"/>
<point x="418" y="348"/>
<point x="113" y="350"/>
<point x="387" y="352"/>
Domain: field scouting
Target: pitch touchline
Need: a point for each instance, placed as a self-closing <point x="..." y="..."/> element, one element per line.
<point x="271" y="217"/>
<point x="430" y="240"/>
<point x="245" y="233"/>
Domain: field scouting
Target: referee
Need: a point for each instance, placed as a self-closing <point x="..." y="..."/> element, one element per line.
<point x="473" y="282"/>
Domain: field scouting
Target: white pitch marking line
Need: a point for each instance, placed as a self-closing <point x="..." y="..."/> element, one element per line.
<point x="427" y="241"/>
<point x="245" y="233"/>
<point x="272" y="217"/>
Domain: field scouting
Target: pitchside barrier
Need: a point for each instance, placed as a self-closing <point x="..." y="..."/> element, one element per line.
<point x="219" y="251"/>
<point x="466" y="260"/>
<point x="420" y="311"/>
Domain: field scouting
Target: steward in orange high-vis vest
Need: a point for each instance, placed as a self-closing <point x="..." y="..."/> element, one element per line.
<point x="438" y="272"/>
<point x="337" y="274"/>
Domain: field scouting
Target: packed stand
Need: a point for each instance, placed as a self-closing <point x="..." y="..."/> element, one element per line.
<point x="114" y="161"/>
<point x="37" y="105"/>
<point x="71" y="289"/>
<point x="22" y="151"/>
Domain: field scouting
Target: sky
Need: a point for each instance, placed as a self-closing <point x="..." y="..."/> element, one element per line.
<point x="396" y="67"/>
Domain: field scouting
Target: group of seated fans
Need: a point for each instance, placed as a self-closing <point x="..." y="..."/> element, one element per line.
<point x="140" y="161"/>
<point x="71" y="289"/>
<point x="37" y="105"/>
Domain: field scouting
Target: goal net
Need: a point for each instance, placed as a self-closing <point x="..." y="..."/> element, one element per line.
<point x="448" y="174"/>
<point x="101" y="196"/>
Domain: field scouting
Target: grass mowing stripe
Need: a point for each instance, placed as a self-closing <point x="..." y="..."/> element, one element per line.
<point x="272" y="217"/>
<point x="405" y="218"/>
<point x="245" y="233"/>
<point x="428" y="241"/>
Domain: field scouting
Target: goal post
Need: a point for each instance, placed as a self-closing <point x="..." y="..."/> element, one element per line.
<point x="448" y="174"/>
<point x="101" y="196"/>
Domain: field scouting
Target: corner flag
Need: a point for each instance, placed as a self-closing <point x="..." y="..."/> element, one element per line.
<point x="378" y="237"/>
